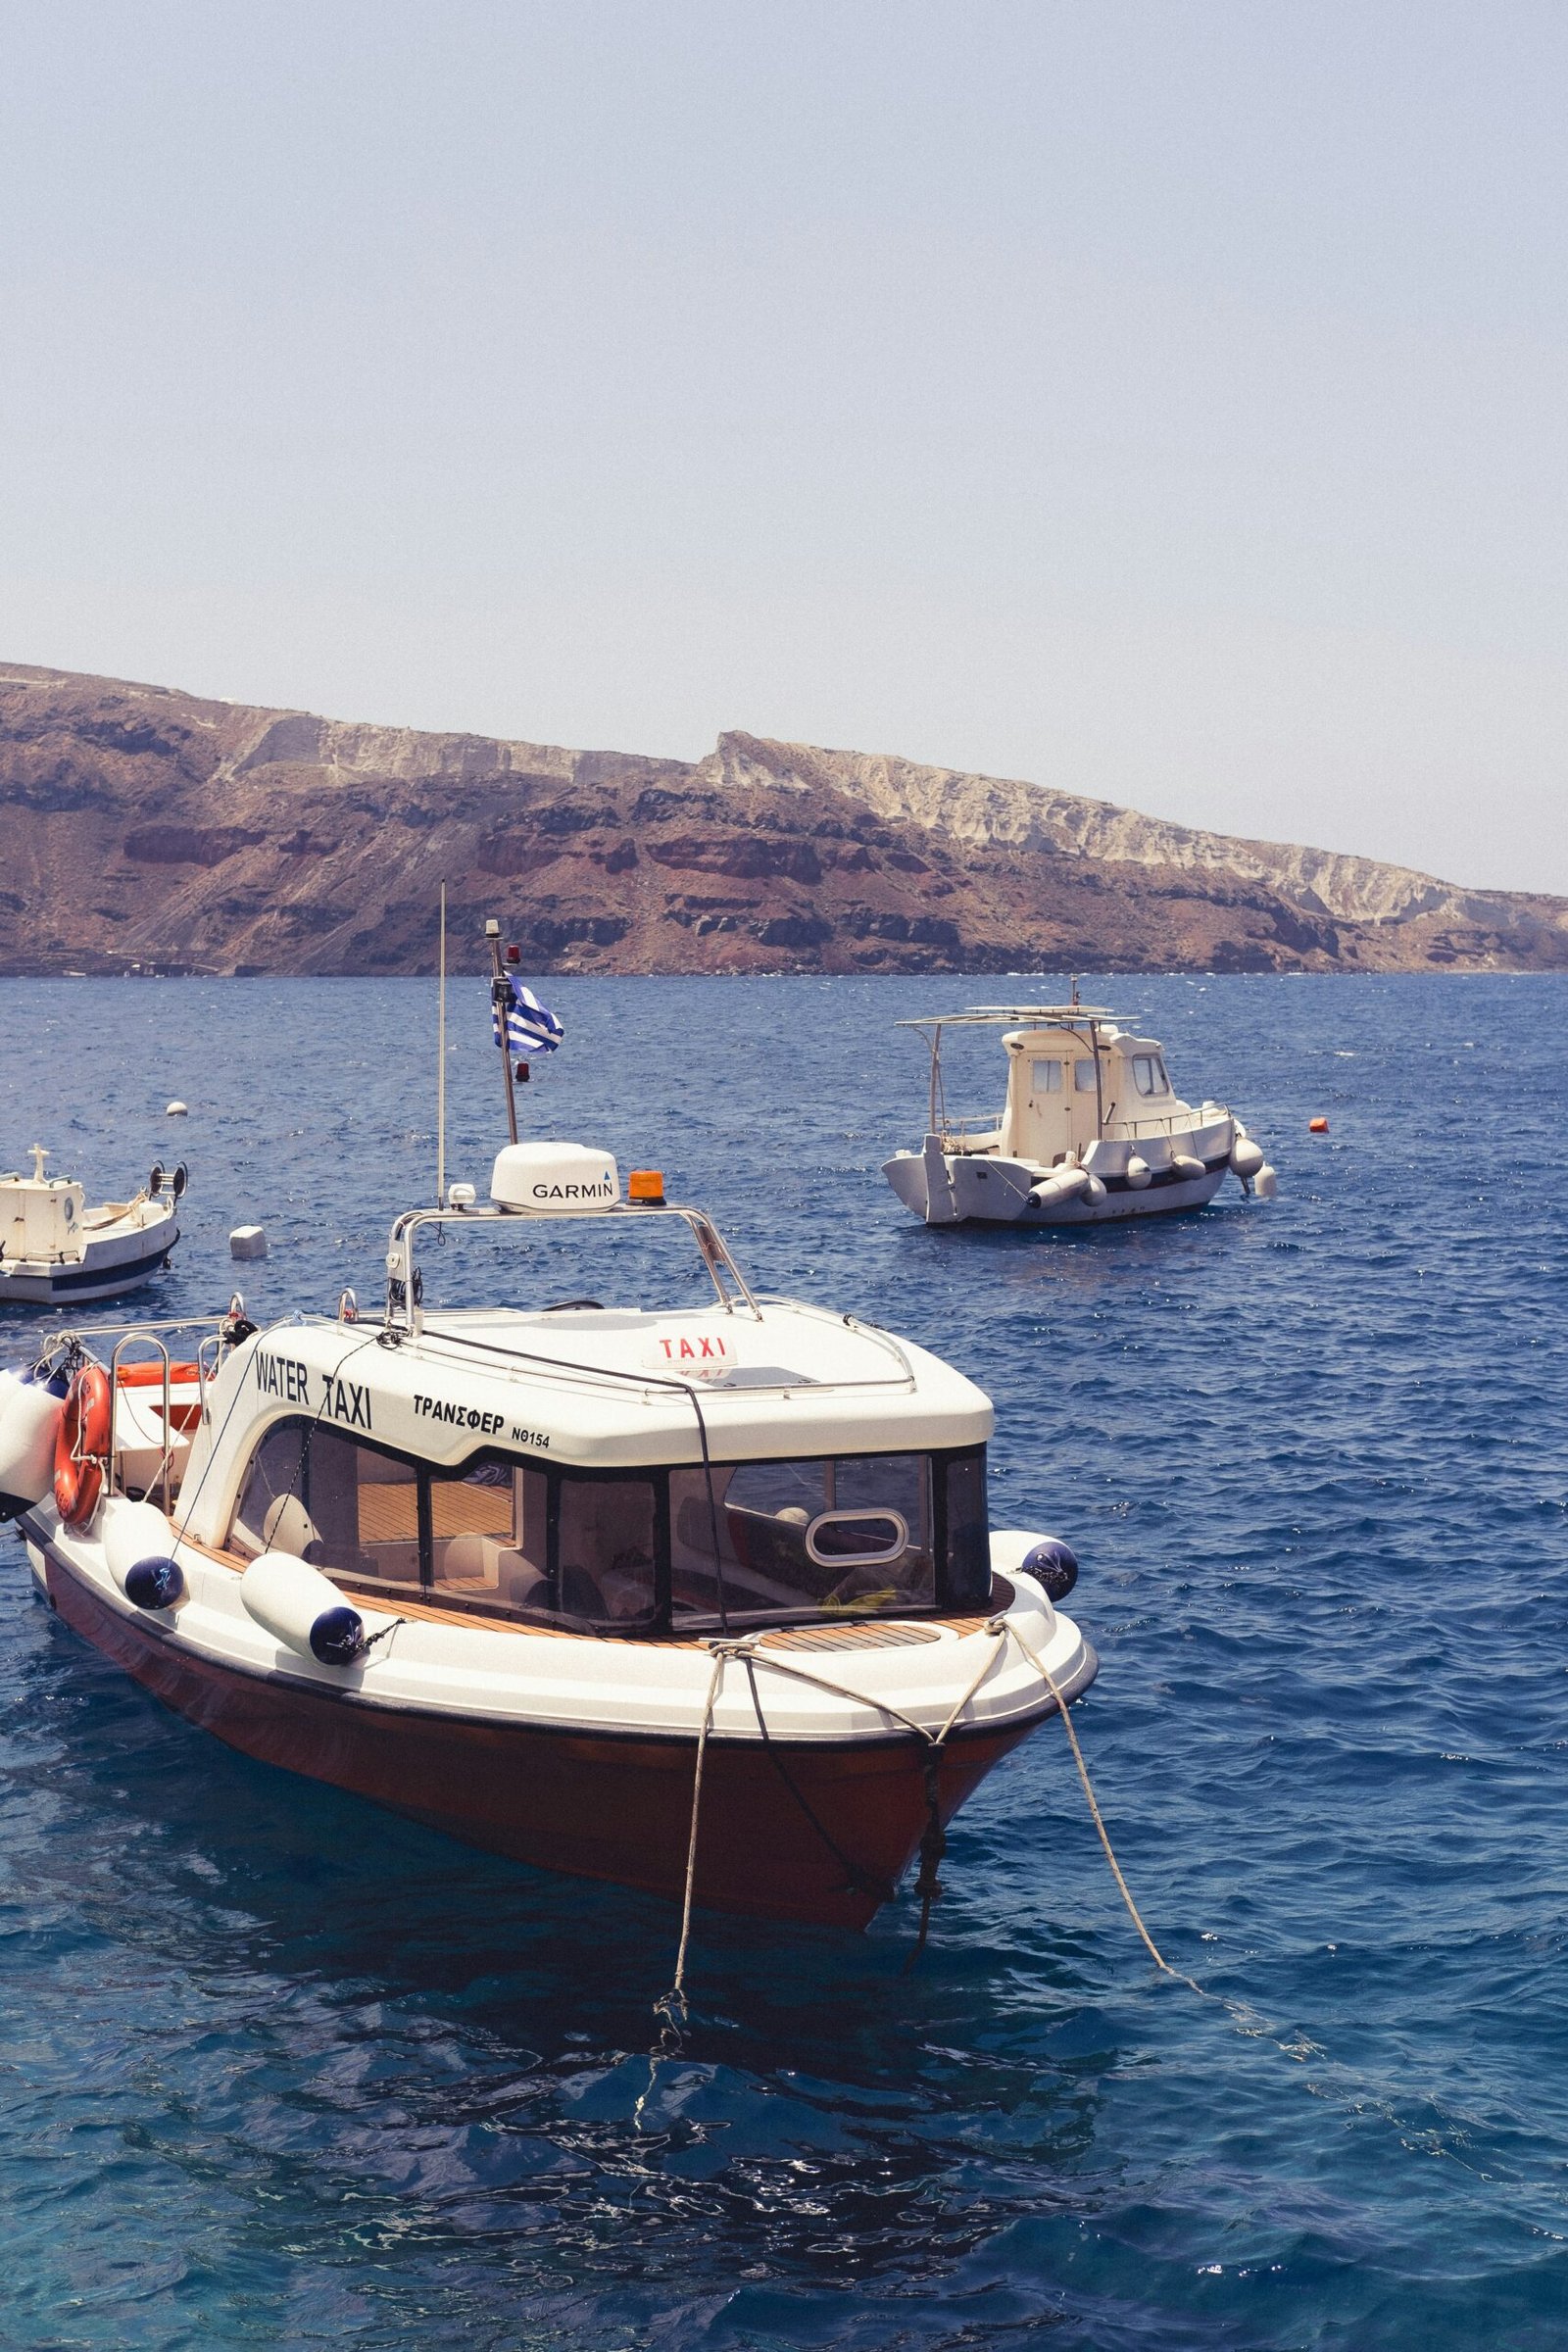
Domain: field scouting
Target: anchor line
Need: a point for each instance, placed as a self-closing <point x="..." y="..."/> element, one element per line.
<point x="1094" y="1813"/>
<point x="852" y="1871"/>
<point x="671" y="2009"/>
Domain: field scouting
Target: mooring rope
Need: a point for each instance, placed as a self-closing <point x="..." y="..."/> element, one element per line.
<point x="671" y="2009"/>
<point x="673" y="2006"/>
<point x="1095" y="1814"/>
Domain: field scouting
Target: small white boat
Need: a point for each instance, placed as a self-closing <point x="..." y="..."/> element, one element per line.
<point x="1091" y="1129"/>
<point x="55" y="1250"/>
<point x="544" y="1577"/>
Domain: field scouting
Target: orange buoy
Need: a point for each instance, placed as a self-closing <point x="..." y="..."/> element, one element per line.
<point x="80" y="1447"/>
<point x="1317" y="1126"/>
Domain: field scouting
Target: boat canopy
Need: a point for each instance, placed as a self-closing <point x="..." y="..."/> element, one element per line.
<point x="1029" y="1016"/>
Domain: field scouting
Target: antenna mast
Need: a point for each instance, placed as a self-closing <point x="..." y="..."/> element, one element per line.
<point x="441" y="1064"/>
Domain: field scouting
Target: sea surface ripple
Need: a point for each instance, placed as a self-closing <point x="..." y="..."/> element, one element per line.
<point x="277" y="2069"/>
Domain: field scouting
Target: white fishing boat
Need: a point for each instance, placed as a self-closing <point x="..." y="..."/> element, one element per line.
<point x="703" y="1600"/>
<point x="1091" y="1129"/>
<point x="55" y="1250"/>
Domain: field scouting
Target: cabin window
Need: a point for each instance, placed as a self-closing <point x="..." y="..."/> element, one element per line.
<point x="848" y="1538"/>
<point x="1083" y="1077"/>
<point x="628" y="1553"/>
<point x="606" y="1552"/>
<point x="271" y="1513"/>
<point x="967" y="1545"/>
<point x="334" y="1502"/>
<point x="1045" y="1077"/>
<point x="490" y="1534"/>
<point x="1149" y="1074"/>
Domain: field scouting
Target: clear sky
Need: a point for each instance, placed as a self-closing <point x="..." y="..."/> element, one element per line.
<point x="1165" y="401"/>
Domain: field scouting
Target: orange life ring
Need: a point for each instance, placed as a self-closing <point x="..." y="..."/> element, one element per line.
<point x="151" y="1376"/>
<point x="81" y="1444"/>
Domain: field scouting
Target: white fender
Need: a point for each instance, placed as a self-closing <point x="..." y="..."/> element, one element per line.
<point x="139" y="1553"/>
<point x="1138" y="1173"/>
<point x="1094" y="1191"/>
<point x="1245" y="1158"/>
<point x="290" y="1600"/>
<point x="132" y="1532"/>
<point x="29" y="1422"/>
<point x="1266" y="1184"/>
<point x="1187" y="1166"/>
<point x="1061" y="1185"/>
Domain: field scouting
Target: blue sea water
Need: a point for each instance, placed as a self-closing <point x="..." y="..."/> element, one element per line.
<point x="278" y="2070"/>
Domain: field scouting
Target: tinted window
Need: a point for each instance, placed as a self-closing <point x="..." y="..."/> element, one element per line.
<point x="490" y="1534"/>
<point x="271" y="1513"/>
<point x="969" y="1533"/>
<point x="815" y="1537"/>
<point x="334" y="1502"/>
<point x="769" y="1541"/>
<point x="605" y="1550"/>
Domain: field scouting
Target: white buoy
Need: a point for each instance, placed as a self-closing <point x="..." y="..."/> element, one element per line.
<point x="176" y="1110"/>
<point x="1266" y="1184"/>
<point x="1245" y="1158"/>
<point x="1139" y="1174"/>
<point x="247" y="1240"/>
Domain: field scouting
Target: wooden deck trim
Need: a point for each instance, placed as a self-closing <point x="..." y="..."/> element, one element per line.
<point x="861" y="1632"/>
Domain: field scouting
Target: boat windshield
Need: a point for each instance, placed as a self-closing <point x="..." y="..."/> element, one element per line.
<point x="625" y="1551"/>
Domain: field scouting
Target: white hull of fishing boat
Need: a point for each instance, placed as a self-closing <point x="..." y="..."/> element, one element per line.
<point x="114" y="1260"/>
<point x="953" y="1189"/>
<point x="1091" y="1131"/>
<point x="56" y="1251"/>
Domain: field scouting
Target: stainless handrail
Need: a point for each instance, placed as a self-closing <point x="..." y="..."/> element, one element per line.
<point x="407" y="1311"/>
<point x="166" y="1452"/>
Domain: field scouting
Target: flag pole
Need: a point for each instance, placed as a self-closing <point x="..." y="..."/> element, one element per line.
<point x="500" y="999"/>
<point x="441" y="1064"/>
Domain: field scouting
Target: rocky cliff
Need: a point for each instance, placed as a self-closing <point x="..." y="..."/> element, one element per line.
<point x="143" y="828"/>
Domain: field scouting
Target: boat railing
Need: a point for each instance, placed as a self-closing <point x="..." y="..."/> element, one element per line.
<point x="405" y="1284"/>
<point x="867" y="1331"/>
<point x="1174" y="1122"/>
<point x="973" y="1128"/>
<point x="73" y="1348"/>
<point x="163" y="1483"/>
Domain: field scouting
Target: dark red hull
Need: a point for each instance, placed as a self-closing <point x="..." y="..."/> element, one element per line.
<point x="792" y="1831"/>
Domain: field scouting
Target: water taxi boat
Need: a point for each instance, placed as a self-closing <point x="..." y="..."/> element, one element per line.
<point x="55" y="1250"/>
<point x="1091" y="1129"/>
<point x="514" y="1571"/>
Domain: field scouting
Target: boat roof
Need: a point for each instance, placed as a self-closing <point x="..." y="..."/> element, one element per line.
<point x="1025" y="1015"/>
<point x="606" y="1388"/>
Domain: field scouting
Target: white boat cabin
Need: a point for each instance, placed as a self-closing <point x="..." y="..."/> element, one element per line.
<point x="644" y="1472"/>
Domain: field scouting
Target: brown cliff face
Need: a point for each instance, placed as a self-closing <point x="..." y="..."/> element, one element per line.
<point x="142" y="828"/>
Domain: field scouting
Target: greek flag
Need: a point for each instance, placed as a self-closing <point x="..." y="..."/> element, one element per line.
<point x="531" y="1028"/>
